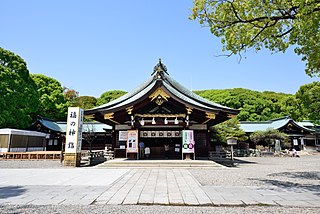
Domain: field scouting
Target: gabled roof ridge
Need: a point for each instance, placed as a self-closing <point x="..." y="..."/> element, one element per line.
<point x="187" y="99"/>
<point x="297" y="124"/>
<point x="161" y="76"/>
<point x="273" y="124"/>
<point x="267" y="121"/>
<point x="50" y="124"/>
<point x="127" y="95"/>
<point x="45" y="118"/>
<point x="182" y="89"/>
<point x="129" y="100"/>
<point x="255" y="122"/>
<point x="281" y="118"/>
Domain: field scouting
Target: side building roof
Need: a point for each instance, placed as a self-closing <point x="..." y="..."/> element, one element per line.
<point x="61" y="126"/>
<point x="249" y="127"/>
<point x="310" y="125"/>
<point x="22" y="132"/>
<point x="88" y="127"/>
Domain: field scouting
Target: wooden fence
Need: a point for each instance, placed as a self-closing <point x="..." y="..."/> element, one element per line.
<point x="36" y="155"/>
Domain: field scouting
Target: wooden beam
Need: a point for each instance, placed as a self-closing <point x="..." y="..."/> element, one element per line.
<point x="210" y="116"/>
<point x="161" y="115"/>
<point x="110" y="117"/>
<point x="129" y="109"/>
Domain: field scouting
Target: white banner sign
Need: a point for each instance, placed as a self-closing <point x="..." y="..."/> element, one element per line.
<point x="123" y="135"/>
<point x="74" y="130"/>
<point x="187" y="141"/>
<point x="132" y="142"/>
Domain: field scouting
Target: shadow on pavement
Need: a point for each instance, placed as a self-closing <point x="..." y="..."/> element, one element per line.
<point x="313" y="175"/>
<point x="291" y="186"/>
<point x="235" y="163"/>
<point x="11" y="191"/>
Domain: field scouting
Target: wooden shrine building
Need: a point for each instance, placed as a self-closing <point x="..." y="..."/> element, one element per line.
<point x="159" y="110"/>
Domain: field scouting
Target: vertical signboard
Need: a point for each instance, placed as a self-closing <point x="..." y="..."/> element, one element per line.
<point x="123" y="135"/>
<point x="187" y="141"/>
<point x="277" y="146"/>
<point x="132" y="141"/>
<point x="74" y="130"/>
<point x="123" y="138"/>
<point x="73" y="135"/>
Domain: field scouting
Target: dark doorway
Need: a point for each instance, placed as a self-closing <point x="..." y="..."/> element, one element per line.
<point x="157" y="147"/>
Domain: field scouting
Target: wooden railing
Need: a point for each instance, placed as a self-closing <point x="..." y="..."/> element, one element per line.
<point x="107" y="154"/>
<point x="218" y="155"/>
<point x="54" y="155"/>
<point x="37" y="155"/>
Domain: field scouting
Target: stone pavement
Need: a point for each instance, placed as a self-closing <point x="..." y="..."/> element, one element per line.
<point x="166" y="186"/>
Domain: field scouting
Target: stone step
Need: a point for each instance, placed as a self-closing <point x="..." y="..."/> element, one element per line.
<point x="124" y="163"/>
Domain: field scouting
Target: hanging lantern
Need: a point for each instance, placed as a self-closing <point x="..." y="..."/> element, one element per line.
<point x="142" y="122"/>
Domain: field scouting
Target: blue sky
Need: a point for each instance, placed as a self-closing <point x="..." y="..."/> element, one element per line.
<point x="95" y="46"/>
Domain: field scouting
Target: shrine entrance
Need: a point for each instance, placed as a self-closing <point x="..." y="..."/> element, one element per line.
<point x="156" y="141"/>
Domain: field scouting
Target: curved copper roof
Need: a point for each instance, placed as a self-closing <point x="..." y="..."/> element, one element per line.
<point x="160" y="78"/>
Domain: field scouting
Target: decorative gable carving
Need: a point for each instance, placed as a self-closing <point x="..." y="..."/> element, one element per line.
<point x="159" y="96"/>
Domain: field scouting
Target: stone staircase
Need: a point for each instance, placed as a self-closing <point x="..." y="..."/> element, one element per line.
<point x="125" y="163"/>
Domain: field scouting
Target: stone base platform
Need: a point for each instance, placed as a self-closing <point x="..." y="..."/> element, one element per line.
<point x="127" y="163"/>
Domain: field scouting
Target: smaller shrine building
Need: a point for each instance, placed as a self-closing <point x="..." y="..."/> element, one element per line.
<point x="301" y="134"/>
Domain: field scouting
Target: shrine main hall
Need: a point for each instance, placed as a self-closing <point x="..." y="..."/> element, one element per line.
<point x="158" y="113"/>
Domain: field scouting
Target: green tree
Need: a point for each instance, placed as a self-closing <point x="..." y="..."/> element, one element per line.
<point x="290" y="106"/>
<point x="109" y="96"/>
<point x="229" y="128"/>
<point x="70" y="95"/>
<point x="254" y="105"/>
<point x="268" y="137"/>
<point x="18" y="93"/>
<point x="85" y="102"/>
<point x="52" y="102"/>
<point x="309" y="98"/>
<point x="275" y="25"/>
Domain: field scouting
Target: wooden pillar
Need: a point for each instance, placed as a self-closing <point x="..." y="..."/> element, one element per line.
<point x="113" y="139"/>
<point x="208" y="141"/>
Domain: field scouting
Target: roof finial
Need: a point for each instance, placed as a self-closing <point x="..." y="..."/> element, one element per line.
<point x="159" y="69"/>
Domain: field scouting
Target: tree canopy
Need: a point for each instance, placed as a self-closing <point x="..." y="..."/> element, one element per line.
<point x="109" y="96"/>
<point x="85" y="102"/>
<point x="309" y="96"/>
<point x="70" y="95"/>
<point x="269" y="136"/>
<point x="275" y="25"/>
<point x="254" y="105"/>
<point x="229" y="128"/>
<point x="52" y="102"/>
<point x="18" y="92"/>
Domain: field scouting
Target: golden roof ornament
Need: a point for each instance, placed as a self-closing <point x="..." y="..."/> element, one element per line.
<point x="159" y="69"/>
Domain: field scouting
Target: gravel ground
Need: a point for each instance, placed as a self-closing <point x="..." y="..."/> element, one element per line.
<point x="265" y="171"/>
<point x="8" y="209"/>
<point x="303" y="172"/>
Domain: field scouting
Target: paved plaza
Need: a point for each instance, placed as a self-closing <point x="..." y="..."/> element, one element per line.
<point x="135" y="186"/>
<point x="97" y="186"/>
